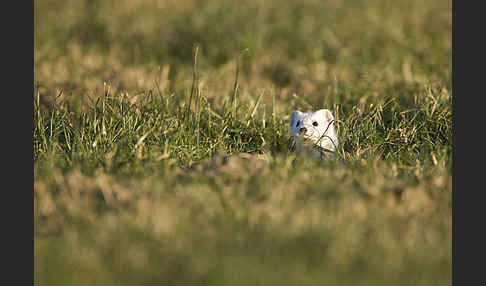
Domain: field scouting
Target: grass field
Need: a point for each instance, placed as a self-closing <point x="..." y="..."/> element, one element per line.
<point x="162" y="153"/>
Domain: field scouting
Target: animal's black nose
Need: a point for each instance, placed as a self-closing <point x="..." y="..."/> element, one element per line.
<point x="303" y="130"/>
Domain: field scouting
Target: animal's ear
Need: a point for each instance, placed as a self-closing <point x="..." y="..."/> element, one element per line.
<point x="326" y="114"/>
<point x="294" y="116"/>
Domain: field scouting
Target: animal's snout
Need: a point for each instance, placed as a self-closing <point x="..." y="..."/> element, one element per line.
<point x="303" y="130"/>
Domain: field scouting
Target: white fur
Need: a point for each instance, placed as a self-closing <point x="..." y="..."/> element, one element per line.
<point x="323" y="135"/>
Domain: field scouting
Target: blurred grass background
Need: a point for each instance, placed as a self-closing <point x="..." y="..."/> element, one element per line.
<point x="132" y="184"/>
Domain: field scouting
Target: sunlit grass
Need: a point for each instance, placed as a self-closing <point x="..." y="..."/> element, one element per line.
<point x="162" y="152"/>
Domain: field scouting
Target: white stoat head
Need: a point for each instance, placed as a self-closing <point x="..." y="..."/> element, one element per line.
<point x="314" y="128"/>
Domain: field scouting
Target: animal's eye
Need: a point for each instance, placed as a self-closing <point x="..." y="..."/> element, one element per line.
<point x="315" y="123"/>
<point x="298" y="123"/>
